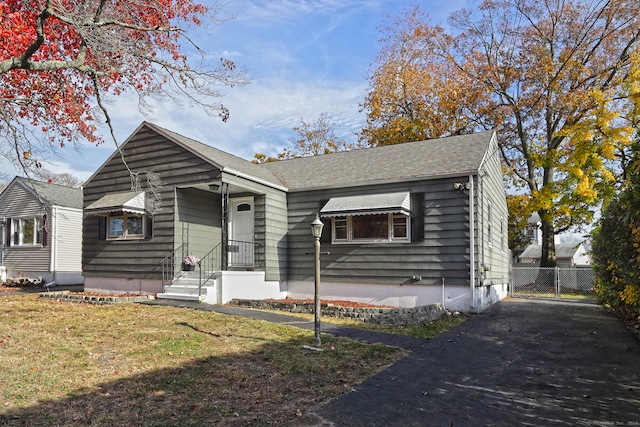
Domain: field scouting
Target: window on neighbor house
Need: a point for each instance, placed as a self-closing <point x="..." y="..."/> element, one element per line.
<point x="125" y="225"/>
<point x="26" y="231"/>
<point x="371" y="228"/>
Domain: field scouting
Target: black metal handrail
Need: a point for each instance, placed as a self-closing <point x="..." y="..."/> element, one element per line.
<point x="239" y="254"/>
<point x="208" y="265"/>
<point x="170" y="265"/>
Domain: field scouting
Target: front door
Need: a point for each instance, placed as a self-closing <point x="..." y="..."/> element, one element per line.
<point x="241" y="232"/>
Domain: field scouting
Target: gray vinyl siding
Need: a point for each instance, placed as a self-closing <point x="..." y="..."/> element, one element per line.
<point x="443" y="253"/>
<point x="198" y="220"/>
<point x="146" y="151"/>
<point x="493" y="256"/>
<point x="16" y="202"/>
<point x="270" y="225"/>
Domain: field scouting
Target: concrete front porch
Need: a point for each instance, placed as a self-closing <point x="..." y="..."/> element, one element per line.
<point x="222" y="287"/>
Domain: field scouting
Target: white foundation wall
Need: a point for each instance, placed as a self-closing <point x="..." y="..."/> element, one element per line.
<point x="485" y="296"/>
<point x="68" y="278"/>
<point x="246" y="285"/>
<point x="118" y="285"/>
<point x="452" y="297"/>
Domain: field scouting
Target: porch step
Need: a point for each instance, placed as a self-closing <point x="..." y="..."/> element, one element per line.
<point x="185" y="288"/>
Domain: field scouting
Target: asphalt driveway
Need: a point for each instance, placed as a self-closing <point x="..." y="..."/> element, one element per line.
<point x="520" y="363"/>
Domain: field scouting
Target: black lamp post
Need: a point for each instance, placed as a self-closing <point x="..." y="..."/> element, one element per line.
<point x="316" y="230"/>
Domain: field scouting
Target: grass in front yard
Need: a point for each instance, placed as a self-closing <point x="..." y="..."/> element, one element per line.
<point x="66" y="364"/>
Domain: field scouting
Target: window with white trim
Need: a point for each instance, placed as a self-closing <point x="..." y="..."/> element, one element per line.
<point x="26" y="231"/>
<point x="125" y="225"/>
<point x="372" y="228"/>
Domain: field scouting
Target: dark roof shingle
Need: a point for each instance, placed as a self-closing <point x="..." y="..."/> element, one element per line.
<point x="412" y="160"/>
<point x="55" y="195"/>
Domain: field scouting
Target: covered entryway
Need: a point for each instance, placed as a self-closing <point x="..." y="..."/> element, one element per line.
<point x="241" y="230"/>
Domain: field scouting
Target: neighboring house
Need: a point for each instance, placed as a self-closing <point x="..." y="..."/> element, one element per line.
<point x="567" y="255"/>
<point x="533" y="230"/>
<point x="41" y="231"/>
<point x="405" y="225"/>
<point x="531" y="234"/>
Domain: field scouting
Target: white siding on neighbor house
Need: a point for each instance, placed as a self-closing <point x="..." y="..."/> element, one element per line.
<point x="66" y="239"/>
<point x="18" y="202"/>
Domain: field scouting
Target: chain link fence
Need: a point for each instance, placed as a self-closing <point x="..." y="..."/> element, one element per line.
<point x="549" y="282"/>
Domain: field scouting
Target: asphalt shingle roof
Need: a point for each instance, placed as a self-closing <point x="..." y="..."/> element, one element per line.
<point x="422" y="159"/>
<point x="221" y="158"/>
<point x="563" y="250"/>
<point x="55" y="195"/>
<point x="414" y="160"/>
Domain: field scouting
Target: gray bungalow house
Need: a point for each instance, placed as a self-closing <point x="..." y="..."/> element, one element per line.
<point x="41" y="229"/>
<point x="405" y="225"/>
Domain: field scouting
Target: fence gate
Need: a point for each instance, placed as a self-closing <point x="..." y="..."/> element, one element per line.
<point x="549" y="282"/>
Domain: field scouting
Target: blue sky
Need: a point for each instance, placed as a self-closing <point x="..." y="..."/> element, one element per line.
<point x="305" y="57"/>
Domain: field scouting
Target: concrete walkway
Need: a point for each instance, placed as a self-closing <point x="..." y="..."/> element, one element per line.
<point x="520" y="363"/>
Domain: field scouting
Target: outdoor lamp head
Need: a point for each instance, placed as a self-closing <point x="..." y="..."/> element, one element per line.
<point x="316" y="227"/>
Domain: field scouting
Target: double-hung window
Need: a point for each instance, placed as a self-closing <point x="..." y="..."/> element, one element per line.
<point x="26" y="231"/>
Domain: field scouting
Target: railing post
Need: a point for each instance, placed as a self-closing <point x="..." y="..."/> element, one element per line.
<point x="199" y="280"/>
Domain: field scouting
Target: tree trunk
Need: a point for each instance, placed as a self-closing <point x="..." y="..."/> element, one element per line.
<point x="548" y="258"/>
<point x="545" y="282"/>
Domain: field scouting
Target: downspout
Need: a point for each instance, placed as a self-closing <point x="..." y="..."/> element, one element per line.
<point x="52" y="242"/>
<point x="2" y="237"/>
<point x="472" y="254"/>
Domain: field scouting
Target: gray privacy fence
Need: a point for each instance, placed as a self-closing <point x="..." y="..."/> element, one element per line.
<point x="549" y="282"/>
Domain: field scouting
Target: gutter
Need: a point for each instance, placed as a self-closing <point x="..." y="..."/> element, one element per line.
<point x="376" y="182"/>
<point x="254" y="179"/>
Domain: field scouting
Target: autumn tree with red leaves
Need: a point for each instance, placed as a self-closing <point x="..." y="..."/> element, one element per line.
<point x="62" y="61"/>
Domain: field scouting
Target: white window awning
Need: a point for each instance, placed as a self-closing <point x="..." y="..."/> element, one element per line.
<point x="369" y="204"/>
<point x="131" y="201"/>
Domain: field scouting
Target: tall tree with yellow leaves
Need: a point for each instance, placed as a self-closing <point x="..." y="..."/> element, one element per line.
<point x="553" y="77"/>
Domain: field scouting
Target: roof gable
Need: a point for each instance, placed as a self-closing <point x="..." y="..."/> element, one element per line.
<point x="222" y="160"/>
<point x="563" y="251"/>
<point x="450" y="156"/>
<point x="50" y="194"/>
<point x="458" y="155"/>
<point x="226" y="162"/>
